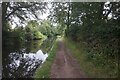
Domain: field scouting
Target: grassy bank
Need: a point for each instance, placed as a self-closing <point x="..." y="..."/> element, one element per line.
<point x="44" y="70"/>
<point x="79" y="52"/>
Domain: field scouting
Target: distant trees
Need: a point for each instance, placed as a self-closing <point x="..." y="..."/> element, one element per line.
<point x="47" y="28"/>
<point x="32" y="32"/>
<point x="22" y="11"/>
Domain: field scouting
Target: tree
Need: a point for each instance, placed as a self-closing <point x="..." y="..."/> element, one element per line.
<point x="46" y="28"/>
<point x="22" y="11"/>
<point x="32" y="31"/>
<point x="92" y="23"/>
<point x="59" y="14"/>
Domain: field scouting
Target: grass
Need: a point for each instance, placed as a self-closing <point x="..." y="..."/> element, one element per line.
<point x="79" y="52"/>
<point x="44" y="70"/>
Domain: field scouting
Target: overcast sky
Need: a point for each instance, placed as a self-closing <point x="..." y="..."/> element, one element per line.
<point x="41" y="16"/>
<point x="44" y="16"/>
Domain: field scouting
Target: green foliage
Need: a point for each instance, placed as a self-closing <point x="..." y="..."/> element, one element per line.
<point x="22" y="10"/>
<point x="88" y="24"/>
<point x="32" y="31"/>
<point x="38" y="35"/>
<point x="94" y="65"/>
<point x="46" y="28"/>
<point x="85" y="23"/>
<point x="33" y="46"/>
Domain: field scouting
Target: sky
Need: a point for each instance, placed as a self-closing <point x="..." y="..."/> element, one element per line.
<point x="110" y="15"/>
<point x="41" y="16"/>
<point x="44" y="16"/>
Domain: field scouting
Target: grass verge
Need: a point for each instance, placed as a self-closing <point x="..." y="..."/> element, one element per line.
<point x="79" y="52"/>
<point x="44" y="70"/>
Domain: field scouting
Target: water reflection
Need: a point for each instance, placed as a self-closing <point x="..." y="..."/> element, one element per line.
<point x="25" y="64"/>
<point x="21" y="59"/>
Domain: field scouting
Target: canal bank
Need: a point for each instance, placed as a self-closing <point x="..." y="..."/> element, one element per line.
<point x="44" y="70"/>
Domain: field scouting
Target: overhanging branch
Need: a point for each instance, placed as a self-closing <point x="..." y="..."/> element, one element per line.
<point x="17" y="8"/>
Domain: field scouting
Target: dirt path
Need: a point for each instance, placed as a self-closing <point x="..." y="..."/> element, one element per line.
<point x="64" y="65"/>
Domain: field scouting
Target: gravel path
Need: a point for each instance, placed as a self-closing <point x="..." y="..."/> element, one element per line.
<point x="64" y="65"/>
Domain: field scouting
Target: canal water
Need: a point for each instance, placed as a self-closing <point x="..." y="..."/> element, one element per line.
<point x="21" y="59"/>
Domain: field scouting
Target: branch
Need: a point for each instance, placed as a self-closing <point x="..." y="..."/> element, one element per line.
<point x="17" y="8"/>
